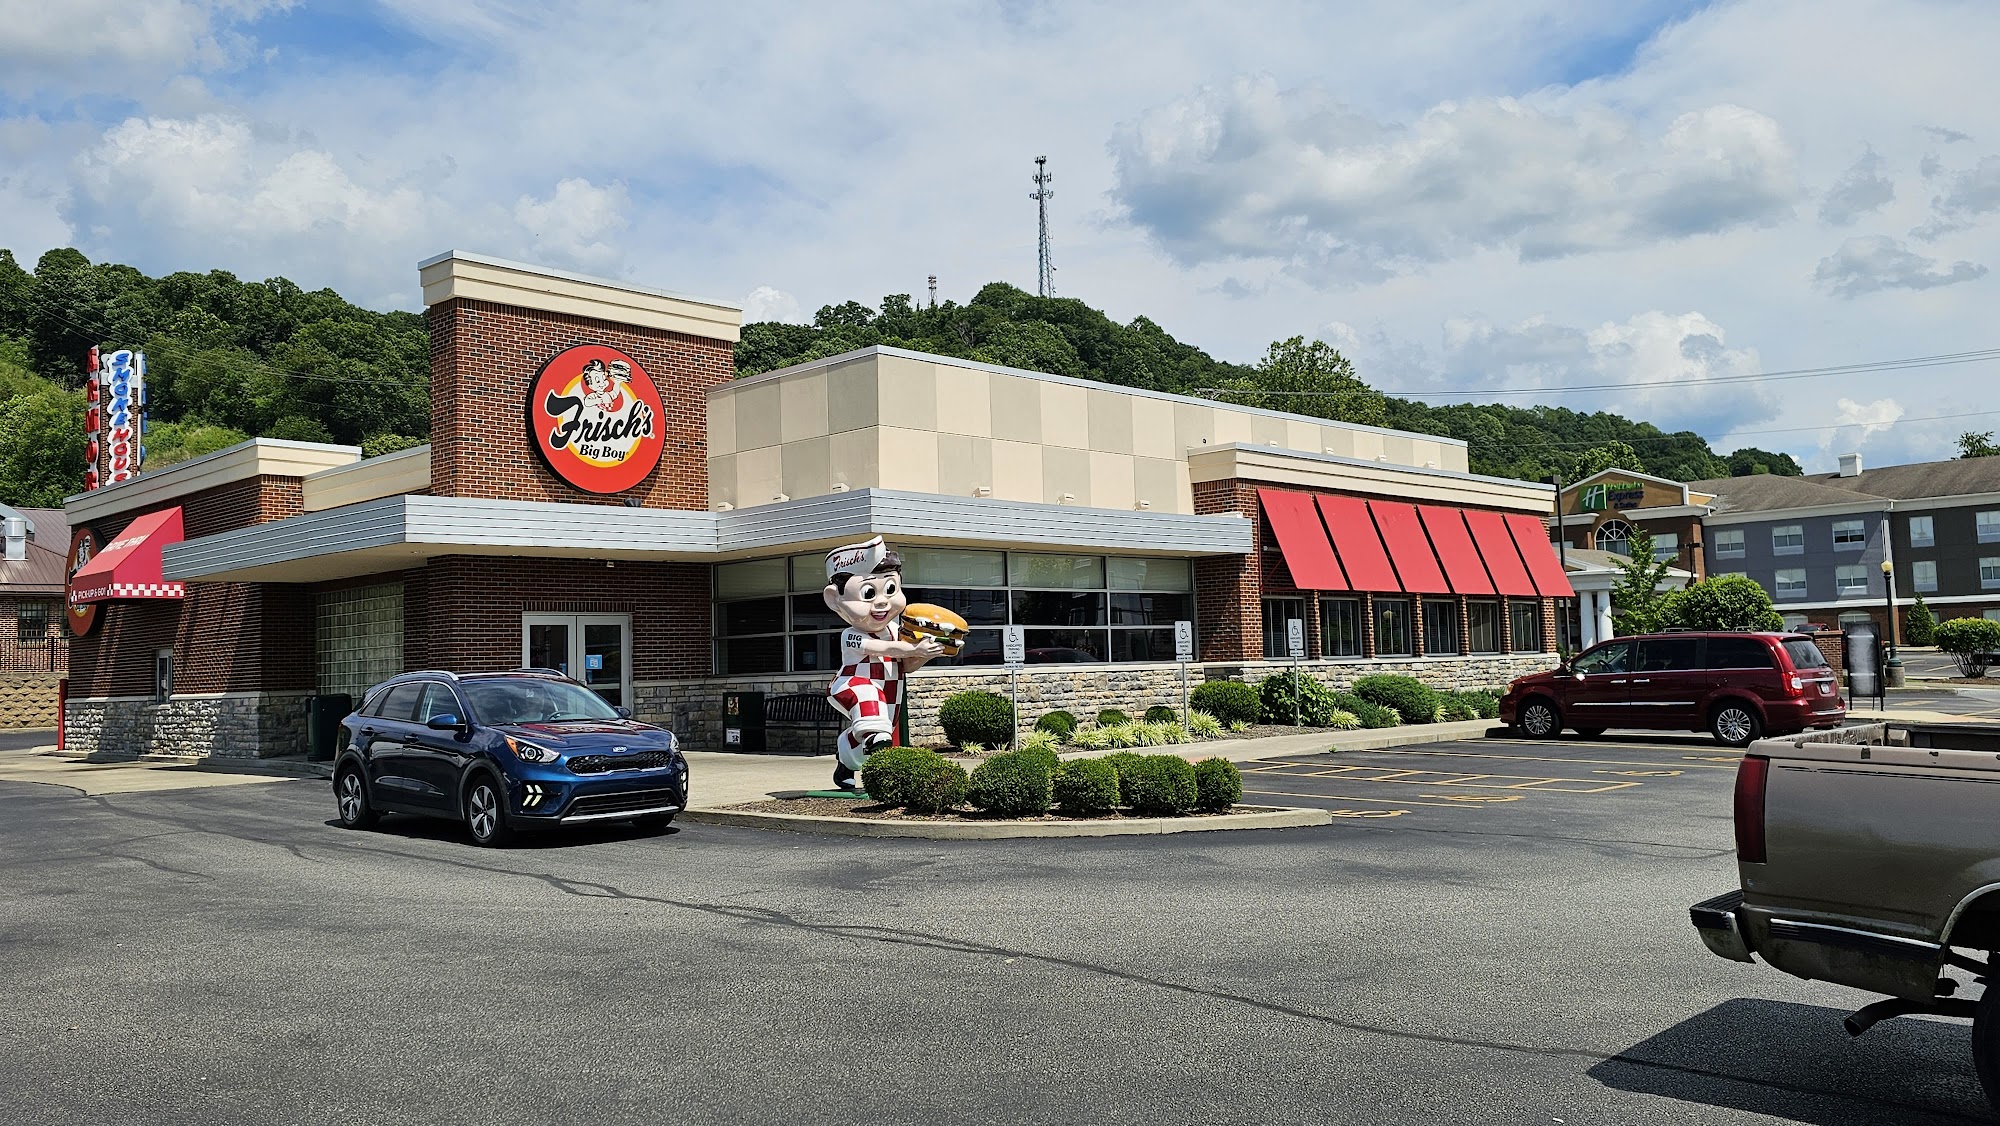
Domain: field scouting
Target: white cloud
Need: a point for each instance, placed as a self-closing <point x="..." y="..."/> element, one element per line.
<point x="580" y="225"/>
<point x="1870" y="417"/>
<point x="1861" y="189"/>
<point x="768" y="303"/>
<point x="107" y="46"/>
<point x="1251" y="170"/>
<point x="1873" y="262"/>
<point x="1968" y="197"/>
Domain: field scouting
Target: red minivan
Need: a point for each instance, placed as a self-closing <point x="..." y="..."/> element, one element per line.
<point x="1736" y="686"/>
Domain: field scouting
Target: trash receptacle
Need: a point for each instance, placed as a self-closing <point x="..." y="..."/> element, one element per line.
<point x="323" y="716"/>
<point x="743" y="722"/>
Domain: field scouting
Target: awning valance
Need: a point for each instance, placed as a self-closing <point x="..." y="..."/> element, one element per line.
<point x="129" y="566"/>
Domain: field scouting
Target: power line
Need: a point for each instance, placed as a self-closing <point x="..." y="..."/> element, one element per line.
<point x="1733" y="435"/>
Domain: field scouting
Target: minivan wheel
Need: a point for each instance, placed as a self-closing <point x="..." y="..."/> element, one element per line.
<point x="1735" y="725"/>
<point x="350" y="796"/>
<point x="1986" y="1044"/>
<point x="1538" y="720"/>
<point x="485" y="811"/>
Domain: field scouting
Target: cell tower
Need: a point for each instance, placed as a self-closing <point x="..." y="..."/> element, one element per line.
<point x="933" y="291"/>
<point x="1045" y="274"/>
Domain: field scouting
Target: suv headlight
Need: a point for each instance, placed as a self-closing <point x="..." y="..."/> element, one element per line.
<point x="529" y="752"/>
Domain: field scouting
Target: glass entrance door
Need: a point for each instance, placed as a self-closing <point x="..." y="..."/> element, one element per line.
<point x="595" y="649"/>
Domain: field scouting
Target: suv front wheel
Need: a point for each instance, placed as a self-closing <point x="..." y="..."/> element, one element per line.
<point x="1734" y="724"/>
<point x="486" y="810"/>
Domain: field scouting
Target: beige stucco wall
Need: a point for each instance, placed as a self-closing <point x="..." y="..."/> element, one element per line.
<point x="896" y="422"/>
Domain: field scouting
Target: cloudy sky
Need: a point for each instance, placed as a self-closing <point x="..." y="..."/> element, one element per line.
<point x="1500" y="197"/>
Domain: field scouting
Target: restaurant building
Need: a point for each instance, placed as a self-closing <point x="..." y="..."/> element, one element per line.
<point x="601" y="495"/>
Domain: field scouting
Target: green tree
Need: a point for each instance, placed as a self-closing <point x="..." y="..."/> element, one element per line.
<point x="41" y="448"/>
<point x="1637" y="602"/>
<point x="1308" y="377"/>
<point x="1610" y="455"/>
<point x="1971" y="642"/>
<point x="65" y="315"/>
<point x="1921" y="626"/>
<point x="1977" y="445"/>
<point x="170" y="442"/>
<point x="1723" y="602"/>
<point x="1751" y="461"/>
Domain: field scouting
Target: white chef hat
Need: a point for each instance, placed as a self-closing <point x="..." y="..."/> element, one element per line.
<point x="856" y="558"/>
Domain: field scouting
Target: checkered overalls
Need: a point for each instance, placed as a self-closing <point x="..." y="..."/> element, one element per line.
<point x="866" y="689"/>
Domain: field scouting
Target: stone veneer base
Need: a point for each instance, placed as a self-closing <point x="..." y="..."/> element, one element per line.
<point x="235" y="725"/>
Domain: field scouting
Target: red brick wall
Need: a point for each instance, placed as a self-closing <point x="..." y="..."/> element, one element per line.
<point x="463" y="613"/>
<point x="483" y="358"/>
<point x="48" y="653"/>
<point x="226" y="637"/>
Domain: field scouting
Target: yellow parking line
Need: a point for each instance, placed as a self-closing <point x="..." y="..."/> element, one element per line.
<point x="1360" y="773"/>
<point x="1350" y="797"/>
<point x="1552" y="758"/>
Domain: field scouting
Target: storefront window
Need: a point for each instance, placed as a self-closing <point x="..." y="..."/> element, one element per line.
<point x="1392" y="627"/>
<point x="937" y="567"/>
<point x="31" y="622"/>
<point x="1277" y="636"/>
<point x="1482" y="624"/>
<point x="1151" y="574"/>
<point x="1526" y="619"/>
<point x="1340" y="627"/>
<point x="1057" y="572"/>
<point x="749" y="579"/>
<point x="1440" y="627"/>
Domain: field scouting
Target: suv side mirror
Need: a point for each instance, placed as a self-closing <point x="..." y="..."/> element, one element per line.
<point x="623" y="711"/>
<point x="445" y="721"/>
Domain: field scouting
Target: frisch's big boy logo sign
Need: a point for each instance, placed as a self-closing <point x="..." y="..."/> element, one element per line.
<point x="596" y="419"/>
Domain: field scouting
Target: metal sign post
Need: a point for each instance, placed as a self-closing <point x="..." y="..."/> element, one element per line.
<point x="1183" y="653"/>
<point x="1014" y="653"/>
<point x="1295" y="642"/>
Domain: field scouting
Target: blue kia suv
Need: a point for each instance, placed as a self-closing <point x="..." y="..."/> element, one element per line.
<point x="503" y="752"/>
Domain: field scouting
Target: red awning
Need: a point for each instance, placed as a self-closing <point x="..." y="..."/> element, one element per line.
<point x="1503" y="559"/>
<point x="1409" y="548"/>
<point x="129" y="566"/>
<point x="1302" y="539"/>
<point x="1532" y="537"/>
<point x="1358" y="545"/>
<point x="1462" y="567"/>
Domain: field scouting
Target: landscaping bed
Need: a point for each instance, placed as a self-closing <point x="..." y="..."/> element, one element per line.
<point x="873" y="811"/>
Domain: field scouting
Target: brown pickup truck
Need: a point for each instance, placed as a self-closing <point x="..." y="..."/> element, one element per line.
<point x="1870" y="857"/>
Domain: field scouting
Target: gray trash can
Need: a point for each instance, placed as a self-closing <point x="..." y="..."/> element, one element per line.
<point x="323" y="716"/>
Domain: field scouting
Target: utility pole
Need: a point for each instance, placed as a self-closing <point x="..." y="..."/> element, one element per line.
<point x="1045" y="272"/>
<point x="933" y="291"/>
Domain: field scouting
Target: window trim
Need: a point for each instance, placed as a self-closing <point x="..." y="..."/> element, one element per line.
<point x="1989" y="563"/>
<point x="1360" y="628"/>
<point x="1409" y="605"/>
<point x="1918" y="583"/>
<point x="1986" y="530"/>
<point x="1514" y="636"/>
<point x="1790" y="531"/>
<point x="1500" y="625"/>
<point x="1778" y="583"/>
<point x="1449" y="604"/>
<point x="1860" y="526"/>
<point x="1727" y="549"/>
<point x="1841" y="586"/>
<point x="1930" y="532"/>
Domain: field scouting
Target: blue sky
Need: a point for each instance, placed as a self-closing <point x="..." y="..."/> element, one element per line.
<point x="1487" y="195"/>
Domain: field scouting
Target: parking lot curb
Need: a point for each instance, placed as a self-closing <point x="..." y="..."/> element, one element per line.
<point x="1265" y="818"/>
<point x="278" y="768"/>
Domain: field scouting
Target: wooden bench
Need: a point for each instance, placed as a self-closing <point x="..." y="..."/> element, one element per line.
<point x="799" y="711"/>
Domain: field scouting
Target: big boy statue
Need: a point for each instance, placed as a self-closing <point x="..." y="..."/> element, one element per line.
<point x="864" y="585"/>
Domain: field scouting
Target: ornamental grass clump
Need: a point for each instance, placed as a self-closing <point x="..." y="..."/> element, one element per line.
<point x="1058" y="723"/>
<point x="1229" y="701"/>
<point x="1040" y="742"/>
<point x="1087" y="787"/>
<point x="1015" y="784"/>
<point x="1411" y="699"/>
<point x="977" y="717"/>
<point x="1342" y="721"/>
<point x="1121" y="735"/>
<point x="1372" y="716"/>
<point x="1091" y="738"/>
<point x="1159" y="786"/>
<point x="1218" y="784"/>
<point x="1201" y="725"/>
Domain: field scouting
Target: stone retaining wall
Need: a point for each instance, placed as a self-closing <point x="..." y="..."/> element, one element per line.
<point x="692" y="709"/>
<point x="236" y="725"/>
<point x="28" y="701"/>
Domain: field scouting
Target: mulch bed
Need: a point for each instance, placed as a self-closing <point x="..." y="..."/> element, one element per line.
<point x="854" y="807"/>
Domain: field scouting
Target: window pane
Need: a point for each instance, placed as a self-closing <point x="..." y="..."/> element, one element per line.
<point x="1340" y="627"/>
<point x="1920" y="531"/>
<point x="1062" y="572"/>
<point x="1666" y="545"/>
<point x="982" y="647"/>
<point x="1729" y="543"/>
<point x="749" y="579"/>
<point x="1668" y="654"/>
<point x="402" y="701"/>
<point x="977" y="607"/>
<point x="1151" y="609"/>
<point x="1924" y="574"/>
<point x="761" y="615"/>
<point x="944" y="567"/>
<point x="1440" y="627"/>
<point x="1613" y="656"/>
<point x="815" y="652"/>
<point x="1065" y="646"/>
<point x="1277" y="636"/>
<point x="1057" y="608"/>
<point x="1142" y="644"/>
<point x="1805" y="654"/>
<point x="1525" y="618"/>
<point x="809" y="612"/>
<point x="1738" y="653"/>
<point x="1150" y="574"/>
<point x="750" y="654"/>
<point x="1791" y="584"/>
<point x="1392" y="627"/>
<point x="809" y="571"/>
<point x="1482" y="621"/>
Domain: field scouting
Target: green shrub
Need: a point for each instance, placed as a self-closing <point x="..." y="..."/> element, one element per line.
<point x="1158" y="786"/>
<point x="1217" y="785"/>
<point x="1112" y="717"/>
<point x="1087" y="787"/>
<point x="1015" y="784"/>
<point x="1967" y="640"/>
<point x="1122" y="761"/>
<point x="1371" y="715"/>
<point x="1315" y="702"/>
<point x="1201" y="725"/>
<point x="1921" y="627"/>
<point x="1229" y="701"/>
<point x="1046" y="755"/>
<point x="1058" y="723"/>
<point x="977" y="717"/>
<point x="1725" y="602"/>
<point x="1091" y="738"/>
<point x="1455" y="710"/>
<point x="935" y="787"/>
<point x="1161" y="713"/>
<point x="1481" y="703"/>
<point x="888" y="772"/>
<point x="1411" y="699"/>
<point x="1342" y="721"/>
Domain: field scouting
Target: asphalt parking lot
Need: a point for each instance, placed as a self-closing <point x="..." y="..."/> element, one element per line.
<point x="228" y="956"/>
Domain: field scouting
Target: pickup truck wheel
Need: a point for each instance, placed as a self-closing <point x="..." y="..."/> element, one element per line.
<point x="1538" y="720"/>
<point x="1986" y="1044"/>
<point x="1734" y="725"/>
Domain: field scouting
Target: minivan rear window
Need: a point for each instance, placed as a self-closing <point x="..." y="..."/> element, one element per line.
<point x="1738" y="653"/>
<point x="1804" y="654"/>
